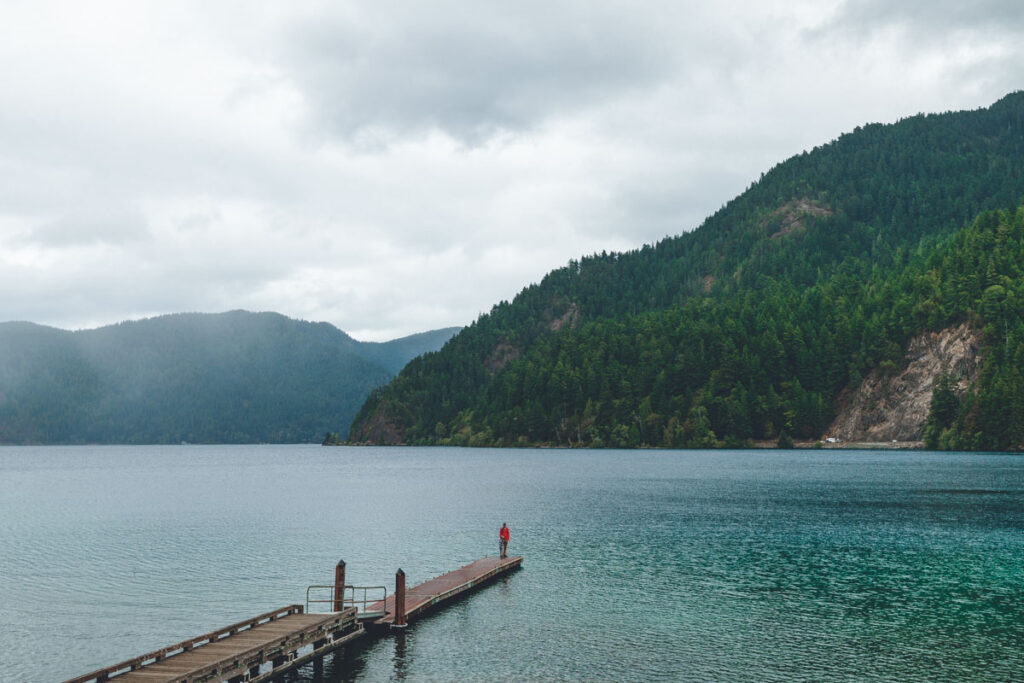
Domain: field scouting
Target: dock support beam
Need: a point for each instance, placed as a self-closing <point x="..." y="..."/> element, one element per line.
<point x="339" y="586"/>
<point x="399" y="600"/>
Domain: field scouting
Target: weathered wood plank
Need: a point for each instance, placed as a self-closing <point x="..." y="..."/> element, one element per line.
<point x="189" y="644"/>
<point x="230" y="655"/>
<point x="428" y="594"/>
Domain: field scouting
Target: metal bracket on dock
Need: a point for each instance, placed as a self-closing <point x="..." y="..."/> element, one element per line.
<point x="298" y="661"/>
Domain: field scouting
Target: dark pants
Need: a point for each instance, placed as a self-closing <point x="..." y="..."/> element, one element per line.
<point x="502" y="545"/>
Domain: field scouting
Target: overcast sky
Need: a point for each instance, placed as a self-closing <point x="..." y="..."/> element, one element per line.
<point x="394" y="167"/>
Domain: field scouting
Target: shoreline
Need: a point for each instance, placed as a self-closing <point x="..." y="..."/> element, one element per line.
<point x="756" y="446"/>
<point x="862" y="445"/>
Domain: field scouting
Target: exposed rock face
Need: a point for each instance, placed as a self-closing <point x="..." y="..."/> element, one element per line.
<point x="887" y="408"/>
<point x="503" y="354"/>
<point x="568" y="319"/>
<point x="791" y="216"/>
<point x="379" y="430"/>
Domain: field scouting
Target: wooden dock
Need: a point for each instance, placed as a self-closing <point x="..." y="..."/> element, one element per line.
<point x="429" y="594"/>
<point x="240" y="651"/>
<point x="273" y="643"/>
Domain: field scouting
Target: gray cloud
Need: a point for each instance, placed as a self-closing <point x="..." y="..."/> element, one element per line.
<point x="473" y="71"/>
<point x="972" y="48"/>
<point x="101" y="224"/>
<point x="392" y="167"/>
<point x="932" y="19"/>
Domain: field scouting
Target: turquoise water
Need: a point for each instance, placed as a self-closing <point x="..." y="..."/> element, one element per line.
<point x="649" y="565"/>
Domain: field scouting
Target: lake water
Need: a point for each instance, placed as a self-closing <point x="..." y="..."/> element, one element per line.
<point x="639" y="565"/>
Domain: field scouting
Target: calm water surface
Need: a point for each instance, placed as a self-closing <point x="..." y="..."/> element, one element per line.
<point x="650" y="565"/>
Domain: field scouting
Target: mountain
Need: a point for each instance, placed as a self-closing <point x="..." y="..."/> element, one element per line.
<point x="393" y="355"/>
<point x="234" y="377"/>
<point x="761" y="323"/>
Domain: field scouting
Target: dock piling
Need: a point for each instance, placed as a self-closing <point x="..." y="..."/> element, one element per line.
<point x="339" y="586"/>
<point x="399" y="600"/>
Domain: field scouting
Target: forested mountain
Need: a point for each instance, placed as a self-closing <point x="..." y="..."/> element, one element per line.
<point x="750" y="326"/>
<point x="235" y="377"/>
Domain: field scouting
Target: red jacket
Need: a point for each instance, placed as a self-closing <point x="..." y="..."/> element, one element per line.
<point x="503" y="533"/>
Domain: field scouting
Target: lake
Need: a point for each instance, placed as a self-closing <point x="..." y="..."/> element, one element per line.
<point x="638" y="565"/>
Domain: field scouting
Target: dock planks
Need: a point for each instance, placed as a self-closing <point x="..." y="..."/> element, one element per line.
<point x="238" y="651"/>
<point x="423" y="597"/>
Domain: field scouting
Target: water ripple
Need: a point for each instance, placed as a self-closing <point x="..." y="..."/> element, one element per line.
<point x="639" y="567"/>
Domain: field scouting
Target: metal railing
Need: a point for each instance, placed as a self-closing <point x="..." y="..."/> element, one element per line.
<point x="350" y="599"/>
<point x="366" y="600"/>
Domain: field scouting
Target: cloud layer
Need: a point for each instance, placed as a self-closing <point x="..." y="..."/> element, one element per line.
<point x="395" y="167"/>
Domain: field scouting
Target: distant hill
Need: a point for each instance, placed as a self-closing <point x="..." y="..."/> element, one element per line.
<point x="394" y="355"/>
<point x="234" y="377"/>
<point x="764" y="322"/>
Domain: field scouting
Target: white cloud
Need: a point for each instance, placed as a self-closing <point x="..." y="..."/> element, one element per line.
<point x="395" y="167"/>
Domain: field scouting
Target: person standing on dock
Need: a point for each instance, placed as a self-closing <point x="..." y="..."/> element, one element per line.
<point x="503" y="539"/>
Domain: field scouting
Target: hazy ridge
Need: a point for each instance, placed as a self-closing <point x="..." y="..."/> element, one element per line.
<point x="235" y="377"/>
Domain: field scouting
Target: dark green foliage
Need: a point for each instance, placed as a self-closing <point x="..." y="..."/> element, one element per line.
<point x="984" y="268"/>
<point x="747" y="328"/>
<point x="231" y="378"/>
<point x="943" y="410"/>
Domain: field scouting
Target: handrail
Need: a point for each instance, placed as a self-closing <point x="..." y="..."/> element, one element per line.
<point x="184" y="646"/>
<point x="348" y="600"/>
<point x="314" y="602"/>
<point x="365" y="601"/>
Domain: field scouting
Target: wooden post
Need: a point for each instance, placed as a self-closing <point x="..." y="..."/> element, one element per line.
<point x="318" y="663"/>
<point x="399" y="599"/>
<point x="339" y="586"/>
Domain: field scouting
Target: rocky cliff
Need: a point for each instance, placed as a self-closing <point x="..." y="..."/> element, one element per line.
<point x="887" y="407"/>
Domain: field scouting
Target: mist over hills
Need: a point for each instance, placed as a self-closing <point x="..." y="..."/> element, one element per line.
<point x="235" y="377"/>
<point x="753" y="326"/>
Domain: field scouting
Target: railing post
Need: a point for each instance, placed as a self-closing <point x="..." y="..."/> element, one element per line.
<point x="339" y="586"/>
<point x="399" y="599"/>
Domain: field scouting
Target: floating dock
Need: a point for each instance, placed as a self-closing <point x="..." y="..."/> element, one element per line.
<point x="429" y="594"/>
<point x="271" y="644"/>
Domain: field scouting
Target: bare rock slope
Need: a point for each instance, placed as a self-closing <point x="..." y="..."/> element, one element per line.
<point x="894" y="407"/>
